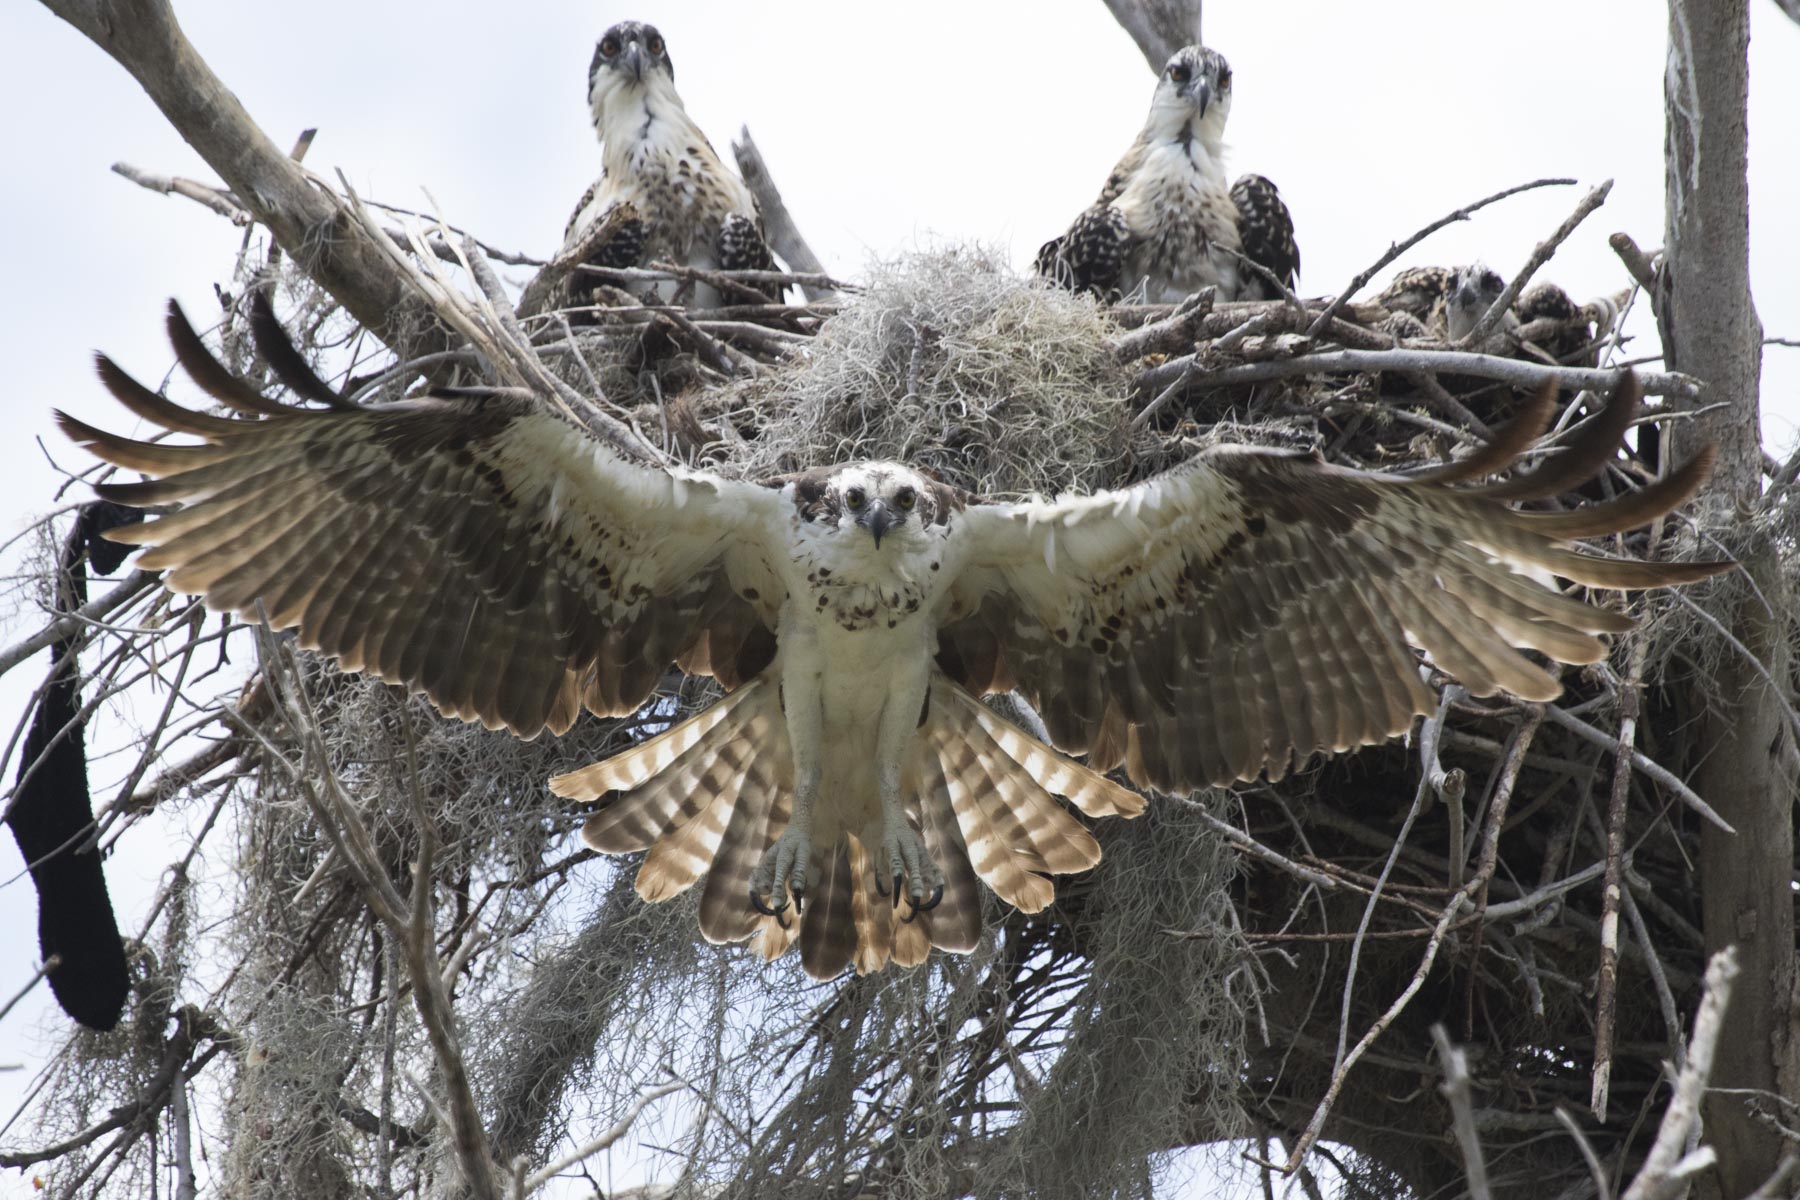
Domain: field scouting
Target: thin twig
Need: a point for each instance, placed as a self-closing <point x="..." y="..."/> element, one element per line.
<point x="48" y="965"/>
<point x="1395" y="250"/>
<point x="1606" y="988"/>
<point x="1642" y="762"/>
<point x="543" y="1175"/>
<point x="1666" y="1168"/>
<point x="1540" y="255"/>
<point x="1462" y="1117"/>
<point x="1518" y="372"/>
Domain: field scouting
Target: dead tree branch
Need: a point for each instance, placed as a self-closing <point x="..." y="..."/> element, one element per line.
<point x="145" y="38"/>
<point x="1540" y="255"/>
<point x="1159" y="27"/>
<point x="784" y="235"/>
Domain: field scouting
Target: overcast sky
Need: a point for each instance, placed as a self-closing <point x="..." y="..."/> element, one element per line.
<point x="888" y="127"/>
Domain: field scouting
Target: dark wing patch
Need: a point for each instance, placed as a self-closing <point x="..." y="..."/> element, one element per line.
<point x="481" y="550"/>
<point x="1266" y="229"/>
<point x="1090" y="257"/>
<point x="625" y="248"/>
<point x="742" y="247"/>
<point x="1420" y="292"/>
<point x="1250" y="608"/>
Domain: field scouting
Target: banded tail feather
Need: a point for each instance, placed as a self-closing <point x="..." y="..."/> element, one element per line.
<point x="707" y="797"/>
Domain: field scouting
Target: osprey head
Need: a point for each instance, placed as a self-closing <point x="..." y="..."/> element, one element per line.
<point x="881" y="500"/>
<point x="1195" y="85"/>
<point x="1476" y="288"/>
<point x="629" y="59"/>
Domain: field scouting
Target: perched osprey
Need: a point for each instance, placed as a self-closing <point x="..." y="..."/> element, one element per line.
<point x="691" y="209"/>
<point x="1166" y="225"/>
<point x="1227" y="619"/>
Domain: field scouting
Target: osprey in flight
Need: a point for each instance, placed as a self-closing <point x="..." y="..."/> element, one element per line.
<point x="1226" y="619"/>
<point x="689" y="207"/>
<point x="1166" y="225"/>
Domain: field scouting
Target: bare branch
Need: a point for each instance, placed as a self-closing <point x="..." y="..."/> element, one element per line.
<point x="1515" y="371"/>
<point x="784" y="235"/>
<point x="1462" y="1117"/>
<point x="1666" y="1168"/>
<point x="145" y="38"/>
<point x="540" y="1177"/>
<point x="1540" y="255"/>
<point x="1396" y="249"/>
<point x="1159" y="27"/>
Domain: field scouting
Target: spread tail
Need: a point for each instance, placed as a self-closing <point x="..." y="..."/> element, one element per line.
<point x="706" y="798"/>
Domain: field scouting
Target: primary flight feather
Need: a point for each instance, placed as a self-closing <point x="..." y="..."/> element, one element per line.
<point x="1224" y="620"/>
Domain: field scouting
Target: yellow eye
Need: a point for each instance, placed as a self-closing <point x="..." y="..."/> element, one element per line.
<point x="906" y="498"/>
<point x="609" y="46"/>
<point x="854" y="498"/>
<point x="655" y="46"/>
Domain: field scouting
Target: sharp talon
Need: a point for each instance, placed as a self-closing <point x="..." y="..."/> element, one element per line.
<point x="914" y="910"/>
<point x="781" y="919"/>
<point x="762" y="906"/>
<point x="799" y="895"/>
<point x="896" y="889"/>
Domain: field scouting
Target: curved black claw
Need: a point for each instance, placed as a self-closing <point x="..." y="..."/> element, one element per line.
<point x="931" y="902"/>
<point x="799" y="894"/>
<point x="762" y="906"/>
<point x="896" y="889"/>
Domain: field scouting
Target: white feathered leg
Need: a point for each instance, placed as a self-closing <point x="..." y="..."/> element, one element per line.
<point x="903" y="853"/>
<point x="783" y="866"/>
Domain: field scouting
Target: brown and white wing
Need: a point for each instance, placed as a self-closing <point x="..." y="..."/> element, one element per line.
<point x="474" y="547"/>
<point x="1251" y="607"/>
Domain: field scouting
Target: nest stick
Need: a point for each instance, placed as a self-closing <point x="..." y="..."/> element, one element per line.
<point x="1606" y="998"/>
<point x="784" y="235"/>
<point x="1540" y="255"/>
<point x="1395" y="250"/>
<point x="1517" y="372"/>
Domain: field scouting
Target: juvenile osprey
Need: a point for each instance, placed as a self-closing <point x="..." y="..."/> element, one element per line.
<point x="1448" y="301"/>
<point x="1228" y="618"/>
<point x="1166" y="224"/>
<point x="691" y="208"/>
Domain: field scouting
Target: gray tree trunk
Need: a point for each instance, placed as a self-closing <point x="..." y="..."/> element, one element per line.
<point x="1711" y="330"/>
<point x="1159" y="27"/>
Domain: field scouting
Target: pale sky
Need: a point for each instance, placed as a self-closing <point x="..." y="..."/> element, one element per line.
<point x="887" y="127"/>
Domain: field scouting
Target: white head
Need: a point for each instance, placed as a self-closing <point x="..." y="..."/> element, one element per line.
<point x="880" y="503"/>
<point x="1476" y="288"/>
<point x="1193" y="97"/>
<point x="631" y="62"/>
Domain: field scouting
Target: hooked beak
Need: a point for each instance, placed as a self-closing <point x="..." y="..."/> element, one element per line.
<point x="634" y="60"/>
<point x="1200" y="94"/>
<point x="879" y="520"/>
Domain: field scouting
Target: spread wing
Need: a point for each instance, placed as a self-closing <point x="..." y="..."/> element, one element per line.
<point x="475" y="547"/>
<point x="1251" y="607"/>
<point x="1266" y="229"/>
